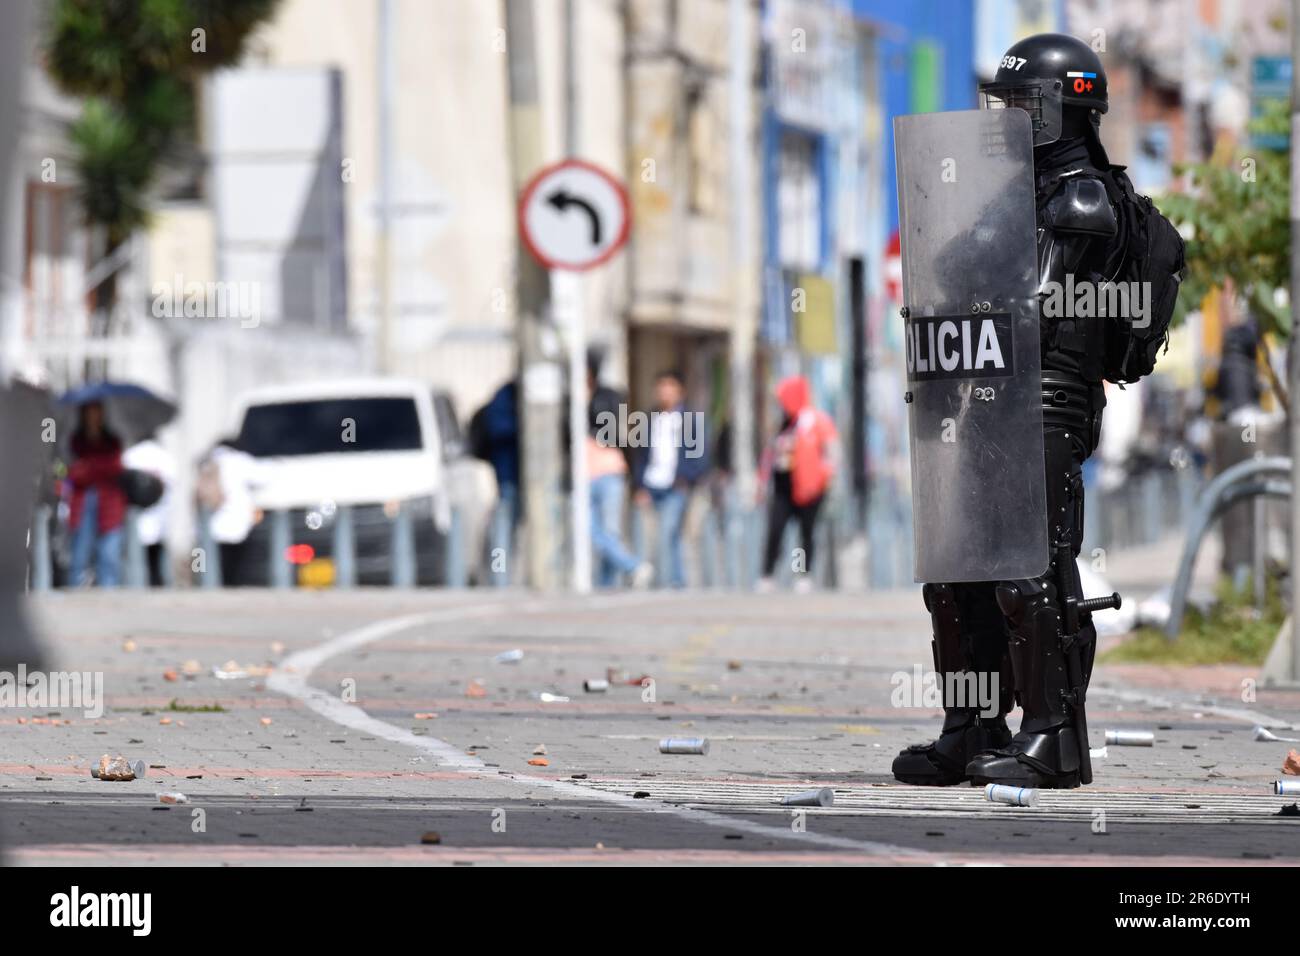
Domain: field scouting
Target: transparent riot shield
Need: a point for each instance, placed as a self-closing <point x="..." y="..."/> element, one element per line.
<point x="967" y="229"/>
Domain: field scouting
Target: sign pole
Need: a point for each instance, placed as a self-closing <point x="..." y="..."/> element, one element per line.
<point x="580" y="494"/>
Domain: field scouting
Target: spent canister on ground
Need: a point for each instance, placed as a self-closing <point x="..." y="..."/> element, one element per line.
<point x="1013" y="796"/>
<point x="684" y="745"/>
<point x="821" y="797"/>
<point x="595" y="685"/>
<point x="1130" y="738"/>
<point x="1287" y="787"/>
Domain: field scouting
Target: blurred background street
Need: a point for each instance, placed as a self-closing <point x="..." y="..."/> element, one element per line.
<point x="794" y="693"/>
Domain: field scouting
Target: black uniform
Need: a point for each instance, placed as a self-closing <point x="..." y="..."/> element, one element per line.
<point x="1015" y="629"/>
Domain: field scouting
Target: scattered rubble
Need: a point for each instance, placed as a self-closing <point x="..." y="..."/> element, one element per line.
<point x="117" y="768"/>
<point x="1292" y="764"/>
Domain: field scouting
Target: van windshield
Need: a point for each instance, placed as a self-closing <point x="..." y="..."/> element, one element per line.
<point x="330" y="426"/>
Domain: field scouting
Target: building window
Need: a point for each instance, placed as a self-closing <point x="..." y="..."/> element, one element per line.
<point x="799" y="207"/>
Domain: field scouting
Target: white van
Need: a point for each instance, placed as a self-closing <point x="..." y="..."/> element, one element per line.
<point x="372" y="445"/>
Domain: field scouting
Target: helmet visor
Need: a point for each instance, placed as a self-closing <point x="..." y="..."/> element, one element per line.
<point x="1041" y="99"/>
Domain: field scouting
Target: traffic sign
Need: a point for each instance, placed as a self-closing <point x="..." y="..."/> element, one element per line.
<point x="574" y="215"/>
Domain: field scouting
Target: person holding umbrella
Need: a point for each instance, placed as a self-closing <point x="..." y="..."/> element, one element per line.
<point x="97" y="508"/>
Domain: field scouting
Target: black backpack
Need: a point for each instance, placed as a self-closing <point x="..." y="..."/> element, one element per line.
<point x="143" y="489"/>
<point x="1150" y="251"/>
<point x="480" y="445"/>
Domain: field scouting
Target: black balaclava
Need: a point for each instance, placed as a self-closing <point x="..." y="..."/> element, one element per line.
<point x="1079" y="145"/>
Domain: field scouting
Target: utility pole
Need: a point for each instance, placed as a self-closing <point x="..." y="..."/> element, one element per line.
<point x="1293" y="350"/>
<point x="580" y="494"/>
<point x="540" y="379"/>
<point x="742" y="249"/>
<point x="386" y="77"/>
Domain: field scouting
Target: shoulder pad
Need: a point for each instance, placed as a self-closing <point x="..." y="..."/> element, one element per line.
<point x="1080" y="206"/>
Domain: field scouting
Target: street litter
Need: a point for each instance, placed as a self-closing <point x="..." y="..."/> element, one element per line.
<point x="128" y="645"/>
<point x="509" y="657"/>
<point x="265" y="721"/>
<point x="191" y="668"/>
<point x="173" y="797"/>
<point x="1286" y="787"/>
<point x="231" y="670"/>
<point x="595" y="685"/>
<point x="1262" y="733"/>
<point x="1097" y="753"/>
<point x="539" y="750"/>
<point x="821" y="797"/>
<point x="538" y="762"/>
<point x="1292" y="764"/>
<point x="548" y="698"/>
<point x="431" y="837"/>
<point x="1130" y="738"/>
<point x="425" y="715"/>
<point x="684" y="745"/>
<point x="475" y="688"/>
<point x="117" y="768"/>
<point x="1013" y="796"/>
<point x="170" y="675"/>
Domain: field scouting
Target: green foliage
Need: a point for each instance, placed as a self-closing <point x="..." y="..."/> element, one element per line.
<point x="135" y="62"/>
<point x="1238" y="210"/>
<point x="1233" y="631"/>
<point x="177" y="707"/>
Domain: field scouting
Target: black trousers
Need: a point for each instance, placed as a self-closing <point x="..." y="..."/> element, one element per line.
<point x="781" y="509"/>
<point x="155" y="556"/>
<point x="232" y="561"/>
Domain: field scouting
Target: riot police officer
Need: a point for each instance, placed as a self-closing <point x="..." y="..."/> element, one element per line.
<point x="1035" y="635"/>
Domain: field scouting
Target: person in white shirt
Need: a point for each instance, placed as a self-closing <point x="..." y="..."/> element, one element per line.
<point x="669" y="470"/>
<point x="226" y="483"/>
<point x="148" y="455"/>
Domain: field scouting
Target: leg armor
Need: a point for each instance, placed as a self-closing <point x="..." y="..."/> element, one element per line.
<point x="1052" y="643"/>
<point x="969" y="638"/>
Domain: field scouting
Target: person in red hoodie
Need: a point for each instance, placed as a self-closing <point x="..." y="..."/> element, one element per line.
<point x="801" y="462"/>
<point x="97" y="509"/>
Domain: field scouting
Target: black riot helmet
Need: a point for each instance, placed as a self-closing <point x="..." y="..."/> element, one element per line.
<point x="1044" y="75"/>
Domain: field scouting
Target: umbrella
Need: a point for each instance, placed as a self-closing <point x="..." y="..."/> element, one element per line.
<point x="131" y="411"/>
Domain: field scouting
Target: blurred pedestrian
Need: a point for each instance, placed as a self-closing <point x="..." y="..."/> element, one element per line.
<point x="670" y="467"/>
<point x="494" y="437"/>
<point x="607" y="469"/>
<point x="97" y="508"/>
<point x="149" y="456"/>
<point x="227" y="478"/>
<point x="800" y="461"/>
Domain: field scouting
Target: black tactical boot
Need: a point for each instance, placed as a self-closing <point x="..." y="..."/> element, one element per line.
<point x="969" y="639"/>
<point x="942" y="762"/>
<point x="1046" y="751"/>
